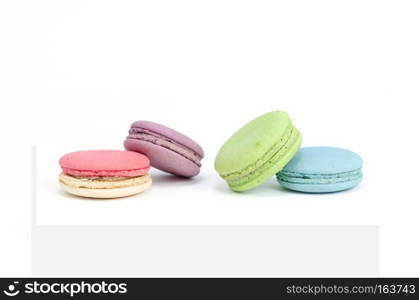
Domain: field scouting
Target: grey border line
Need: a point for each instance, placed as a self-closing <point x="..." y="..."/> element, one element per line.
<point x="33" y="185"/>
<point x="33" y="206"/>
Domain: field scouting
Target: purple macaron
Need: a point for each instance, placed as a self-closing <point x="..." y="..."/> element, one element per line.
<point x="167" y="149"/>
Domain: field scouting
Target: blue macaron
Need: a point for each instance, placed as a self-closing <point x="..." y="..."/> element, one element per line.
<point x="322" y="170"/>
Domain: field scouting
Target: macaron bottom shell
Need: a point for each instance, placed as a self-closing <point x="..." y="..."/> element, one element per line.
<point x="99" y="189"/>
<point x="320" y="187"/>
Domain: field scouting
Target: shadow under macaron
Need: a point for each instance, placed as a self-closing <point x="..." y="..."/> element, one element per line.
<point x="318" y="194"/>
<point x="164" y="179"/>
<point x="267" y="189"/>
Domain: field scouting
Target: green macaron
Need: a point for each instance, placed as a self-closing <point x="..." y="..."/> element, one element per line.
<point x="257" y="151"/>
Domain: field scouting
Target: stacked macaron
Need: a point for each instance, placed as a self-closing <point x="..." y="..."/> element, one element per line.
<point x="270" y="145"/>
<point x="117" y="173"/>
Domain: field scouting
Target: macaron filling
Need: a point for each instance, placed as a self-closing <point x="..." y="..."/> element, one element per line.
<point x="272" y="158"/>
<point x="137" y="133"/>
<point x="105" y="173"/>
<point x="300" y="178"/>
<point x="102" y="182"/>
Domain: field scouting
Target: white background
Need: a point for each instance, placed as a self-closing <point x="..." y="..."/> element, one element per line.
<point x="75" y="74"/>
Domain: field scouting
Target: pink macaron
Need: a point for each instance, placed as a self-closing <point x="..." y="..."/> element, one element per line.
<point x="104" y="173"/>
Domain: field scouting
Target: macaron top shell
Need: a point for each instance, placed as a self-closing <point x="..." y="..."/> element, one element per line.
<point x="252" y="141"/>
<point x="324" y="160"/>
<point x="105" y="163"/>
<point x="170" y="134"/>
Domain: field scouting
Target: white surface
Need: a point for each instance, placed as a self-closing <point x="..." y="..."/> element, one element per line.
<point x="76" y="74"/>
<point x="204" y="200"/>
<point x="15" y="224"/>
